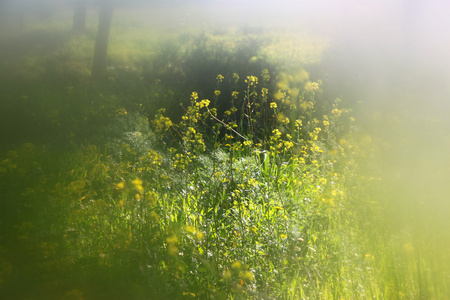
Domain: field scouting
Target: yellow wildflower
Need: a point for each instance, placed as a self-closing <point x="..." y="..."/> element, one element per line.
<point x="138" y="184"/>
<point x="276" y="133"/>
<point x="173" y="239"/>
<point x="194" y="96"/>
<point x="369" y="257"/>
<point x="236" y="265"/>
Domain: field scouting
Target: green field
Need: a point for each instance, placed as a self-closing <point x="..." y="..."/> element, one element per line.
<point x="214" y="162"/>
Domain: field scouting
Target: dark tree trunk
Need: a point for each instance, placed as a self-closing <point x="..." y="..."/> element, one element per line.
<point x="101" y="43"/>
<point x="79" y="16"/>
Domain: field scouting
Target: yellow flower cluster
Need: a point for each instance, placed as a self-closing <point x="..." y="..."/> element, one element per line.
<point x="220" y="78"/>
<point x="194" y="96"/>
<point x="252" y="80"/>
<point x="162" y="124"/>
<point x="121" y="112"/>
<point x="311" y="86"/>
<point x="265" y="77"/>
<point x="205" y="102"/>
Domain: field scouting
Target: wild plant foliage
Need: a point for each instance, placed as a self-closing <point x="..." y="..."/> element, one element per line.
<point x="247" y="181"/>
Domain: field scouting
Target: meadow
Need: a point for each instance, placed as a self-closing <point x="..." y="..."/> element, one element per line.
<point x="211" y="163"/>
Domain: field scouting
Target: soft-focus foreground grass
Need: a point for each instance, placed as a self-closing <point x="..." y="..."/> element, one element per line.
<point x="260" y="186"/>
<point x="409" y="230"/>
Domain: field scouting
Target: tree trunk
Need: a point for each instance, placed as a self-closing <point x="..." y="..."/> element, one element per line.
<point x="79" y="16"/>
<point x="101" y="43"/>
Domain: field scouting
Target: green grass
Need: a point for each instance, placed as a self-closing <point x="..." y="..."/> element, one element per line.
<point x="259" y="186"/>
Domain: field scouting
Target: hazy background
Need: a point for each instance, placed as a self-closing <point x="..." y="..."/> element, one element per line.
<point x="388" y="56"/>
<point x="387" y="60"/>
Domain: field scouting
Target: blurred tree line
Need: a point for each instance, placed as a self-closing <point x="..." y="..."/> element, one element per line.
<point x="15" y="14"/>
